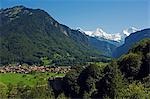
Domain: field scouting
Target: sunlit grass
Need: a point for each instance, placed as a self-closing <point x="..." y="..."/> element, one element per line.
<point x="28" y="79"/>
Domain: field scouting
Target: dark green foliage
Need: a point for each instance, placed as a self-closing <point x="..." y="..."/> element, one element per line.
<point x="130" y="65"/>
<point x="94" y="81"/>
<point x="136" y="63"/>
<point x="143" y="48"/>
<point x="81" y="80"/>
<point x="112" y="83"/>
<point x="71" y="85"/>
<point x="88" y="79"/>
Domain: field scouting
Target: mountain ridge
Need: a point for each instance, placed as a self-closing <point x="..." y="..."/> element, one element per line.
<point x="99" y="33"/>
<point x="23" y="29"/>
<point x="130" y="41"/>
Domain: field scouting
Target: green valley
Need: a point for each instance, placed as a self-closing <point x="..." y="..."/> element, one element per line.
<point x="41" y="58"/>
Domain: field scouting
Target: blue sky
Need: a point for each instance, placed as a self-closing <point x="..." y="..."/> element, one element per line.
<point x="111" y="15"/>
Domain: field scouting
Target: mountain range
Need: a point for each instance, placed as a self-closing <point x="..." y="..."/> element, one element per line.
<point x="115" y="45"/>
<point x="114" y="38"/>
<point x="31" y="35"/>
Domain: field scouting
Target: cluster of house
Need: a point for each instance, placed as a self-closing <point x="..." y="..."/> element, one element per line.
<point x="30" y="69"/>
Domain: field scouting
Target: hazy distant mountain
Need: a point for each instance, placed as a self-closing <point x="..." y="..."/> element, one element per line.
<point x="130" y="41"/>
<point x="128" y="31"/>
<point x="104" y="47"/>
<point x="27" y="35"/>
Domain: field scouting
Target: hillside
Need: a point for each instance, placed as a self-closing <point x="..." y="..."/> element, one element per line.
<point x="137" y="61"/>
<point x="130" y="41"/>
<point x="127" y="77"/>
<point x="29" y="35"/>
<point x="105" y="47"/>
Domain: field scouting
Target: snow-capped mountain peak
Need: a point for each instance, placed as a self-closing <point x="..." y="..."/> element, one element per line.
<point x="89" y="33"/>
<point x="101" y="34"/>
<point x="128" y="31"/>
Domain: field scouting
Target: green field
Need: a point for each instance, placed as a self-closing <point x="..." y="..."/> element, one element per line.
<point x="27" y="79"/>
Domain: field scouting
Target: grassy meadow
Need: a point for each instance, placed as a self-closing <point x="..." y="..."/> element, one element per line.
<point x="27" y="79"/>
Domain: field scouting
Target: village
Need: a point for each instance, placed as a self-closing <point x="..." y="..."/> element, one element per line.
<point x="30" y="69"/>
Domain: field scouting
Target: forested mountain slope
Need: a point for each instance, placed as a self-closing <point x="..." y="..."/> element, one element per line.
<point x="130" y="41"/>
<point x="27" y="35"/>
